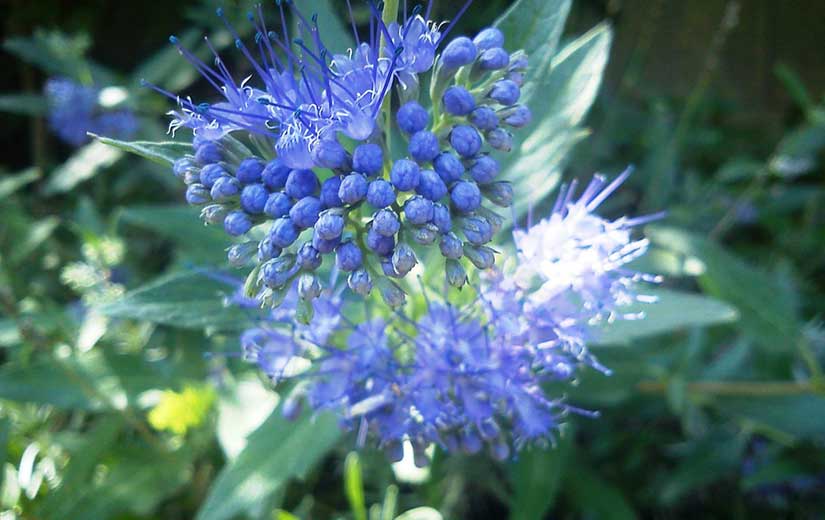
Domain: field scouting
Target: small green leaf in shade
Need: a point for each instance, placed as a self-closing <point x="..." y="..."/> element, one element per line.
<point x="182" y="225"/>
<point x="279" y="450"/>
<point x="11" y="183"/>
<point x="767" y="308"/>
<point x="354" y="485"/>
<point x="83" y="165"/>
<point x="190" y="299"/>
<point x="168" y="68"/>
<point x="165" y="153"/>
<point x="336" y="33"/>
<point x="776" y="472"/>
<point x="592" y="497"/>
<point x="673" y="310"/>
<point x="23" y="104"/>
<point x="36" y="235"/>
<point x="536" y="477"/>
<point x="5" y="427"/>
<point x="796" y="416"/>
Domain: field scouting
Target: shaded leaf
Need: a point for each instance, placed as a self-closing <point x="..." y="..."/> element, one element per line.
<point x="536" y="477"/>
<point x="83" y="165"/>
<point x="794" y="415"/>
<point x="192" y="299"/>
<point x="23" y="104"/>
<point x="592" y="496"/>
<point x="279" y="450"/>
<point x="165" y="153"/>
<point x="672" y="311"/>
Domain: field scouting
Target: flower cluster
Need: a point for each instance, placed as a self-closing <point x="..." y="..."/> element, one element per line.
<point x="470" y="378"/>
<point x="307" y="155"/>
<point x="75" y="109"/>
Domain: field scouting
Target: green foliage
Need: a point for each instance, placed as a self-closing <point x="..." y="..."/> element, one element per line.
<point x="111" y="297"/>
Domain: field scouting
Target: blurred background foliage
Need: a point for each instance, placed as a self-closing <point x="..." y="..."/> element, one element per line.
<point x="107" y="411"/>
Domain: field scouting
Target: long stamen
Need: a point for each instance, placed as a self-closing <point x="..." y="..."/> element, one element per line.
<point x="454" y="21"/>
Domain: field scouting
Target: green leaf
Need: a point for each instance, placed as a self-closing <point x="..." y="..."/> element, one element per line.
<point x="279" y="450"/>
<point x="165" y="153"/>
<point x="23" y="104"/>
<point x="767" y="308"/>
<point x="193" y="299"/>
<point x="672" y="311"/>
<point x="420" y="513"/>
<point x="593" y="497"/>
<point x="559" y="96"/>
<point x="183" y="226"/>
<point x="798" y="416"/>
<point x="54" y="52"/>
<point x="12" y="183"/>
<point x="354" y="486"/>
<point x="83" y="165"/>
<point x="536" y="477"/>
<point x="37" y="233"/>
<point x="337" y="35"/>
<point x="5" y="428"/>
<point x="535" y="26"/>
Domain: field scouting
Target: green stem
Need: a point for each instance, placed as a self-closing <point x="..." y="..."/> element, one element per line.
<point x="388" y="16"/>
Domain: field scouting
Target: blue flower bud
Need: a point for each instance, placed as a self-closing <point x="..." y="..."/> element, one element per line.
<point x="360" y="283"/>
<point x="393" y="295"/>
<point x="348" y="256"/>
<point x="505" y="92"/>
<point x="484" y="169"/>
<point x="328" y="153"/>
<point x="308" y="257"/>
<point x="353" y="188"/>
<point x="301" y="183"/>
<point x="277" y="272"/>
<point x="465" y="140"/>
<point x="330" y="225"/>
<point x="405" y="175"/>
<point x="211" y="173"/>
<point x="499" y="193"/>
<point x="403" y="259"/>
<point x="451" y="246"/>
<point x="516" y="77"/>
<point x="380" y="193"/>
<point x="208" y="153"/>
<point x="455" y="273"/>
<point x="309" y="287"/>
<point x="418" y="210"/>
<point x="484" y="118"/>
<point x="388" y="269"/>
<point x="431" y="186"/>
<point x="250" y="170"/>
<point x="183" y="165"/>
<point x="441" y="218"/>
<point x="277" y="205"/>
<point x="519" y="117"/>
<point x="460" y="51"/>
<point x="448" y="167"/>
<point x="305" y="212"/>
<point x="283" y="232"/>
<point x="381" y="245"/>
<point x="214" y="213"/>
<point x="225" y="188"/>
<point x="267" y="250"/>
<point x="275" y="174"/>
<point x="197" y="194"/>
<point x="192" y="177"/>
<point x="465" y="196"/>
<point x="237" y="223"/>
<point x="481" y="256"/>
<point x="425" y="235"/>
<point x="423" y="146"/>
<point x="329" y="192"/>
<point x="500" y="139"/>
<point x="489" y="38"/>
<point x="385" y="222"/>
<point x="241" y="254"/>
<point x="325" y="246"/>
<point x="500" y="451"/>
<point x="495" y="220"/>
<point x="494" y="59"/>
<point x="458" y="101"/>
<point x="477" y="231"/>
<point x="412" y="117"/>
<point x="254" y="198"/>
<point x="518" y="61"/>
<point x="368" y="159"/>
